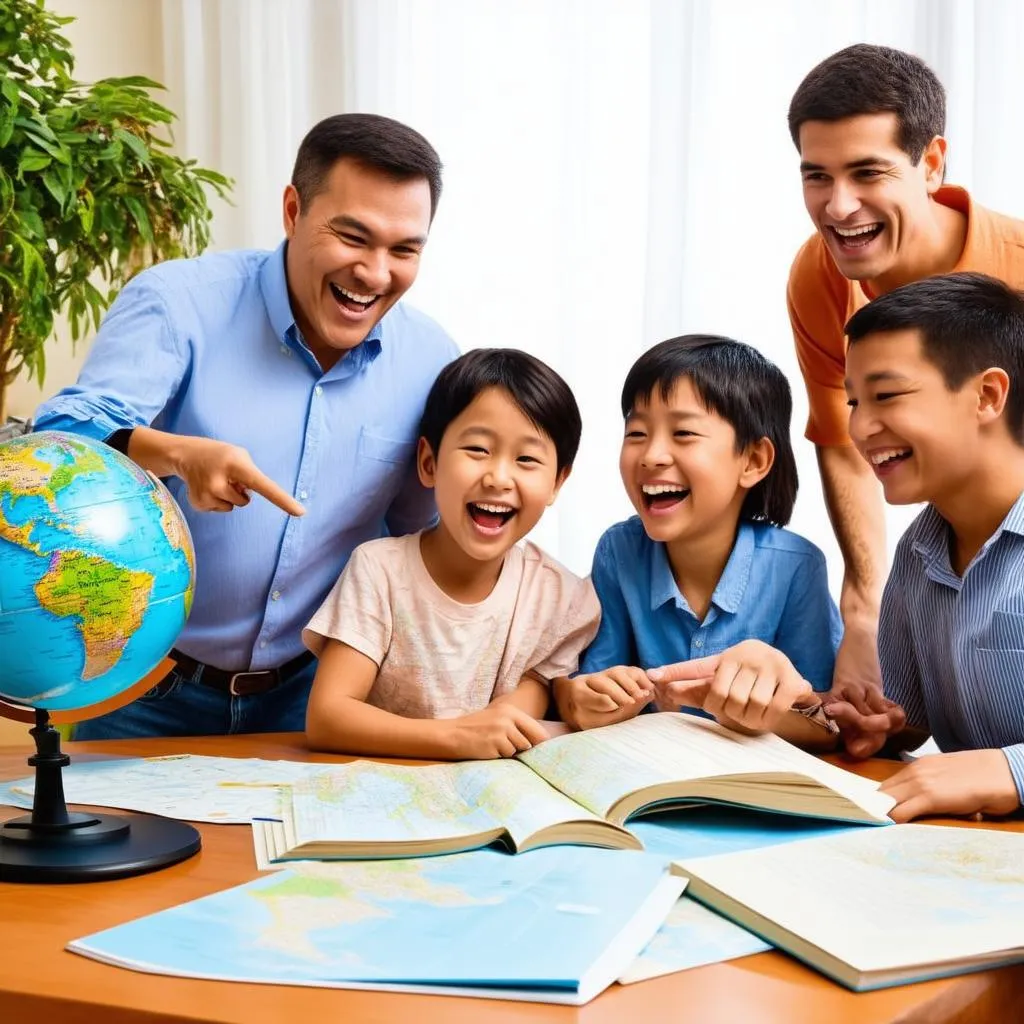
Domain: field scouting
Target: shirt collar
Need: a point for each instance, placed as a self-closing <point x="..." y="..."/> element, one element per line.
<point x="933" y="536"/>
<point x="274" y="286"/>
<point x="731" y="587"/>
<point x="1014" y="521"/>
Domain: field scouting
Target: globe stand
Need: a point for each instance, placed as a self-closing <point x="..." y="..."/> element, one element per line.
<point x="54" y="845"/>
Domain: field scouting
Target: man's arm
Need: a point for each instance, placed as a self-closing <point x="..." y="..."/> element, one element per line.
<point x="135" y="366"/>
<point x="855" y="509"/>
<point x="816" y="297"/>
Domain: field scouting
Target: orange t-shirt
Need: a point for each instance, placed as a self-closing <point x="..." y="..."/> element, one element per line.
<point x="821" y="300"/>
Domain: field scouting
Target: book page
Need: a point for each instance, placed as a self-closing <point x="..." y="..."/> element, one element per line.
<point x="366" y="802"/>
<point x="900" y="896"/>
<point x="598" y="767"/>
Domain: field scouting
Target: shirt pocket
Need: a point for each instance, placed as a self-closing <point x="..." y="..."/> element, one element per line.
<point x="383" y="464"/>
<point x="1004" y="635"/>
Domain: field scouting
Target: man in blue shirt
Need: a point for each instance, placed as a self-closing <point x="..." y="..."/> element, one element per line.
<point x="296" y="374"/>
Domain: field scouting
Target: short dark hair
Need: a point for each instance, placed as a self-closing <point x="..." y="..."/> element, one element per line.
<point x="865" y="79"/>
<point x="369" y="139"/>
<point x="736" y="382"/>
<point x="542" y="396"/>
<point x="966" y="322"/>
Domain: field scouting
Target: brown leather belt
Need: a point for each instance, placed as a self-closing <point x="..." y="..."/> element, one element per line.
<point x="239" y="684"/>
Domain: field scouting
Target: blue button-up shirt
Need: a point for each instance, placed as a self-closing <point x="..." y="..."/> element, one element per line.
<point x="209" y="347"/>
<point x="952" y="648"/>
<point x="774" y="588"/>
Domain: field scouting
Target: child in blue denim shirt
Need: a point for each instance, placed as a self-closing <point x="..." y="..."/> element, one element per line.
<point x="704" y="570"/>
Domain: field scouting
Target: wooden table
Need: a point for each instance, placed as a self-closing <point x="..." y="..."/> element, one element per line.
<point x="40" y="981"/>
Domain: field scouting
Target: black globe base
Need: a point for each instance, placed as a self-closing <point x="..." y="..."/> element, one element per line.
<point x="106" y="848"/>
<point x="53" y="845"/>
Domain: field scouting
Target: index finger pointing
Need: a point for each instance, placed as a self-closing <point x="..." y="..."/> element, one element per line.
<point x="684" y="671"/>
<point x="256" y="481"/>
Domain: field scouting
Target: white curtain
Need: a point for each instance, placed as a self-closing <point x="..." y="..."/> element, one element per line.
<point x="617" y="171"/>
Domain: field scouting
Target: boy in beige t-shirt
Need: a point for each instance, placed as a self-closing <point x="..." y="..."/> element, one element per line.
<point x="443" y="644"/>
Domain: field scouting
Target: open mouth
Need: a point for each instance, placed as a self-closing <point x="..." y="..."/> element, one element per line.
<point x="663" y="497"/>
<point x="353" y="302"/>
<point x="856" y="237"/>
<point x="887" y="459"/>
<point x="490" y="517"/>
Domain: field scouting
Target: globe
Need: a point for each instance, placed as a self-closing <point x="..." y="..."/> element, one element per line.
<point x="96" y="571"/>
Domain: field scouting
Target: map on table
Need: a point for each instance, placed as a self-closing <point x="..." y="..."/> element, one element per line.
<point x="554" y="925"/>
<point x="218" y="790"/>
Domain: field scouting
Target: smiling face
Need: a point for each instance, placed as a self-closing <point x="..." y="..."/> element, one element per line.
<point x="866" y="198"/>
<point x="493" y="476"/>
<point x="681" y="469"/>
<point x="353" y="251"/>
<point x="920" y="438"/>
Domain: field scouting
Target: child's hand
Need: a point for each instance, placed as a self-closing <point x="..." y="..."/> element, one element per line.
<point x="499" y="730"/>
<point x="965" y="782"/>
<point x="602" y="698"/>
<point x="863" y="729"/>
<point x="749" y="687"/>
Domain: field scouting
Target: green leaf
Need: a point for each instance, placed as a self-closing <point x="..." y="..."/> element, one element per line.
<point x="32" y="224"/>
<point x="86" y="210"/>
<point x="141" y="218"/>
<point x="37" y="125"/>
<point x="6" y="124"/>
<point x="9" y="88"/>
<point x="135" y="144"/>
<point x="6" y="196"/>
<point x="136" y="80"/>
<point x="32" y="161"/>
<point x="55" y="187"/>
<point x="57" y="151"/>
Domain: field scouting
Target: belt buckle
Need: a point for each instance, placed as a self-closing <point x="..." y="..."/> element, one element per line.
<point x="246" y="691"/>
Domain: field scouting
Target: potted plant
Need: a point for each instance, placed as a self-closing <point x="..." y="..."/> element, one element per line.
<point x="90" y="192"/>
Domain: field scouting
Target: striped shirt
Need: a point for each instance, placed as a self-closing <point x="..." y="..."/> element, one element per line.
<point x="951" y="647"/>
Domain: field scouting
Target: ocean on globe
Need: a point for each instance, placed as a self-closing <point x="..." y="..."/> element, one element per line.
<point x="96" y="571"/>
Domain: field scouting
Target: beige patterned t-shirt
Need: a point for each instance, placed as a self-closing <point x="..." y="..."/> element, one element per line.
<point x="438" y="658"/>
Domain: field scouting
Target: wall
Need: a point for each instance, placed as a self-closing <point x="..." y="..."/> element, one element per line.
<point x="109" y="38"/>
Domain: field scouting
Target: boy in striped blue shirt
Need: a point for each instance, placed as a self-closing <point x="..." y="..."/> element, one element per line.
<point x="935" y="380"/>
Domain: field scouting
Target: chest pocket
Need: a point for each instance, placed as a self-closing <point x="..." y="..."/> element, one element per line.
<point x="382" y="466"/>
<point x="1005" y="633"/>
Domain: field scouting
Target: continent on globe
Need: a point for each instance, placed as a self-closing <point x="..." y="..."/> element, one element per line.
<point x="107" y="600"/>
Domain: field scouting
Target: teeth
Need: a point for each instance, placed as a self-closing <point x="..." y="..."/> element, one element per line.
<point x="355" y="297"/>
<point x="653" y="489"/>
<point x="862" y="229"/>
<point x="877" y="458"/>
<point x="487" y="507"/>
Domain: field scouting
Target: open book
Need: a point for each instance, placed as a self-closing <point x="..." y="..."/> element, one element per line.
<point x="580" y="788"/>
<point x="921" y="901"/>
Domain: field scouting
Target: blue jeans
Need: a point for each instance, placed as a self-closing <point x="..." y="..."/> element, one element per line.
<point x="180" y="705"/>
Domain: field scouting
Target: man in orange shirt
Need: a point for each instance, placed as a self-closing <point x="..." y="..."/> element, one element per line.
<point x="868" y="123"/>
